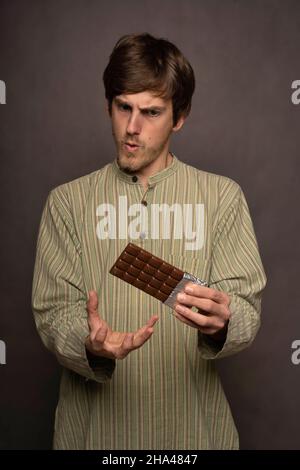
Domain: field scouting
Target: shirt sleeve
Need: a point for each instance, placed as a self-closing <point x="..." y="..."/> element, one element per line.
<point x="236" y="269"/>
<point x="58" y="296"/>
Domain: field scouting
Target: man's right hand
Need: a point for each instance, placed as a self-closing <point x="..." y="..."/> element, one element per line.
<point x="104" y="342"/>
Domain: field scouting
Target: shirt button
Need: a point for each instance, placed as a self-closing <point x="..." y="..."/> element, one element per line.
<point x="145" y="203"/>
<point x="134" y="178"/>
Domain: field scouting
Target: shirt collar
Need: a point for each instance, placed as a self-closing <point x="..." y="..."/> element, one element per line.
<point x="152" y="180"/>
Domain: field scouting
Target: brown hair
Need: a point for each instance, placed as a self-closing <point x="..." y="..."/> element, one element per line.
<point x="140" y="62"/>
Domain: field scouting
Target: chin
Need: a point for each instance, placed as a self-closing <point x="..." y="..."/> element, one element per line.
<point x="128" y="169"/>
<point x="126" y="166"/>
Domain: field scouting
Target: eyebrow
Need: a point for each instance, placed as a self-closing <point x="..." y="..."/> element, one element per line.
<point x="147" y="108"/>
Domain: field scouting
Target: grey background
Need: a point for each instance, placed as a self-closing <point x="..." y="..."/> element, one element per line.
<point x="245" y="55"/>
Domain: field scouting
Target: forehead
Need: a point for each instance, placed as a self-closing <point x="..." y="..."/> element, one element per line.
<point x="145" y="99"/>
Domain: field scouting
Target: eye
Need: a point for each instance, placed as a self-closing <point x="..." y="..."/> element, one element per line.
<point x="123" y="107"/>
<point x="153" y="113"/>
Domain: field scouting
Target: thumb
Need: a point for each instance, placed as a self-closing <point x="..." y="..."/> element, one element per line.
<point x="92" y="307"/>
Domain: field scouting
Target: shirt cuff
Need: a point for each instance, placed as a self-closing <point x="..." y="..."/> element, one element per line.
<point x="99" y="369"/>
<point x="243" y="325"/>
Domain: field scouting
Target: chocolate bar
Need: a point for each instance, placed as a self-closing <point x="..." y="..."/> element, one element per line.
<point x="151" y="274"/>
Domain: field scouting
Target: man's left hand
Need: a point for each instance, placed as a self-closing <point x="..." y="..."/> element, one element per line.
<point x="213" y="310"/>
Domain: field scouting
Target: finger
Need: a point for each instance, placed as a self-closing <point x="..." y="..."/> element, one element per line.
<point x="97" y="337"/>
<point x="94" y="331"/>
<point x="207" y="330"/>
<point x="143" y="333"/>
<point x="126" y="346"/>
<point x="207" y="305"/>
<point x="101" y="334"/>
<point x="184" y="320"/>
<point x="204" y="330"/>
<point x="152" y="321"/>
<point x="207" y="293"/>
<point x="213" y="322"/>
<point x="195" y="317"/>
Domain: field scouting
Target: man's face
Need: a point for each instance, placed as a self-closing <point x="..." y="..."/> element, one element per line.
<point x="142" y="124"/>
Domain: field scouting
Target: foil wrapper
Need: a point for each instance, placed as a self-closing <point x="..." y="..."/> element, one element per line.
<point x="171" y="300"/>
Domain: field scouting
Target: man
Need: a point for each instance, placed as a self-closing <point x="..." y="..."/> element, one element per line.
<point x="130" y="381"/>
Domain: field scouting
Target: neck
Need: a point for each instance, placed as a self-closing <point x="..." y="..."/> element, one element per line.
<point x="164" y="164"/>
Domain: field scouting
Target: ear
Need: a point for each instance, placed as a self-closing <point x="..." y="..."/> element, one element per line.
<point x="179" y="123"/>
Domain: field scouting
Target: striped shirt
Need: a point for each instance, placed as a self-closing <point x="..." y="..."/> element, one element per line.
<point x="166" y="394"/>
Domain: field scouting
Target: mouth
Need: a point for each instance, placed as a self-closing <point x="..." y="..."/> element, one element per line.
<point x="131" y="147"/>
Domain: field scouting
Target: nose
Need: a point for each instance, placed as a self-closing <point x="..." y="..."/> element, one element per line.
<point x="134" y="124"/>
